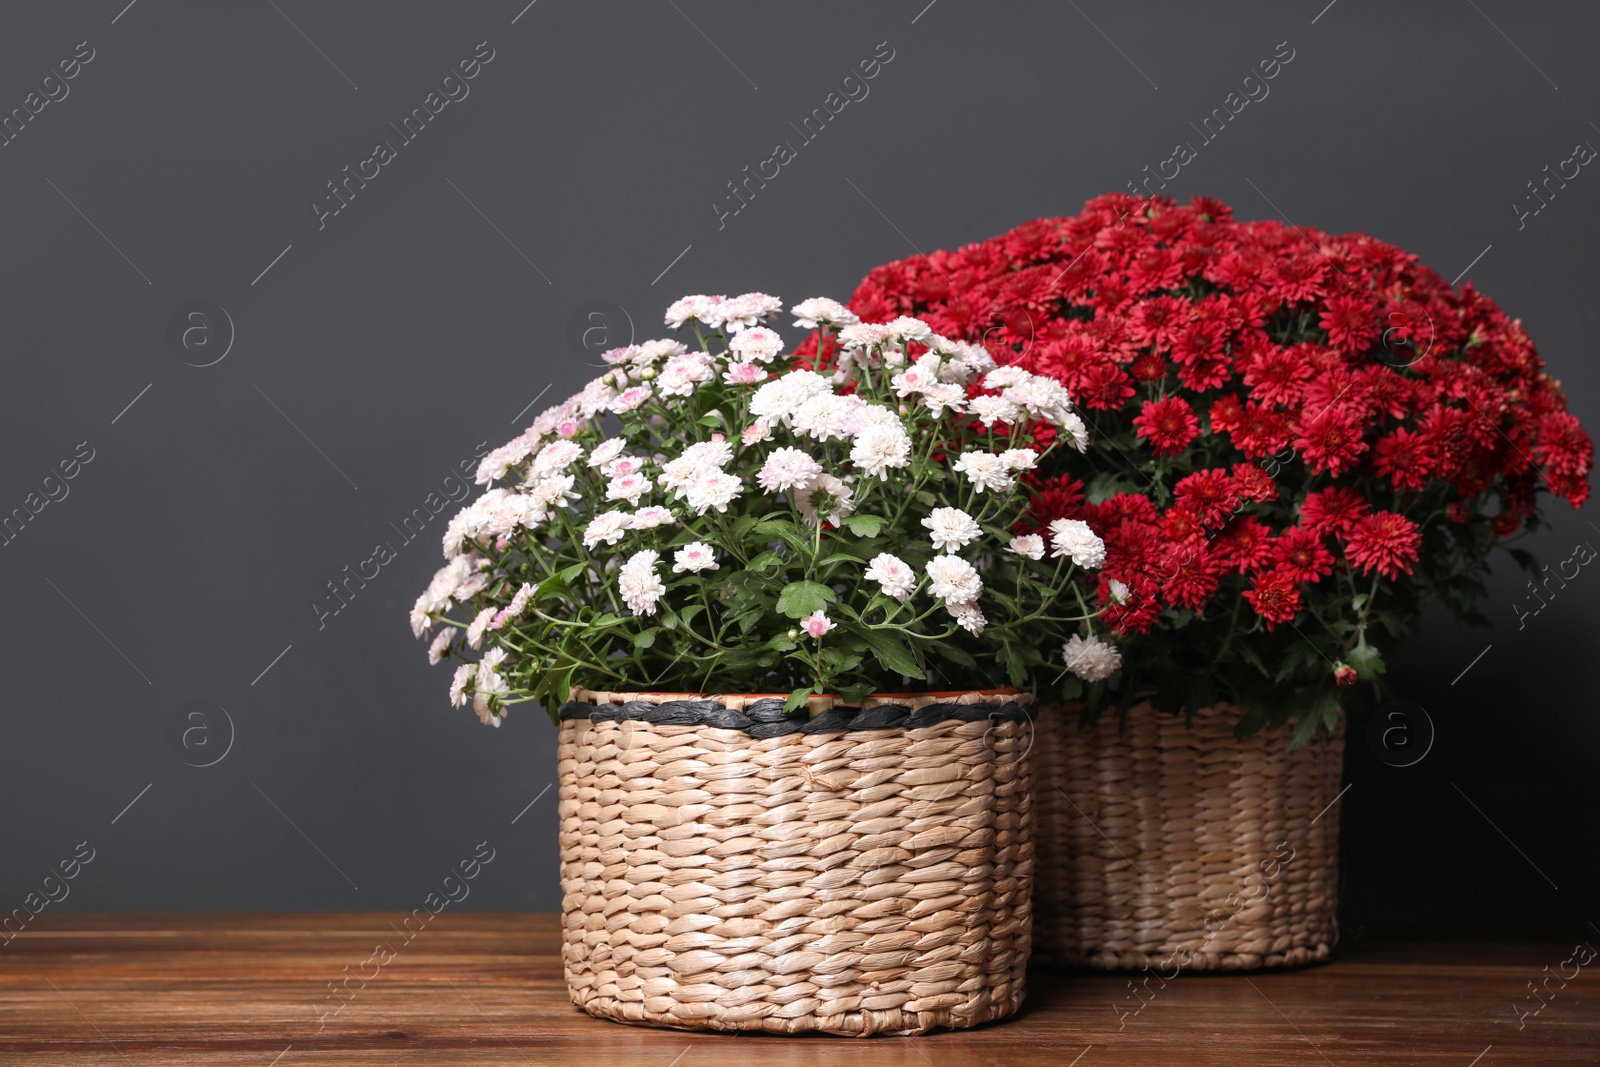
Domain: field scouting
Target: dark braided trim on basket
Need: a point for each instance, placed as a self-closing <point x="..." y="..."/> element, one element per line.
<point x="766" y="718"/>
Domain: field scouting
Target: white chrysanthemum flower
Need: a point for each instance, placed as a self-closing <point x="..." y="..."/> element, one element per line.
<point x="744" y="311"/>
<point x="905" y="329"/>
<point x="986" y="472"/>
<point x="1029" y="545"/>
<point x="479" y="624"/>
<point x="744" y="373"/>
<point x="623" y="466"/>
<point x="893" y="575"/>
<point x="1043" y="398"/>
<point x="694" y="557"/>
<point x="631" y="398"/>
<point x="1074" y="538"/>
<point x="969" y="616"/>
<point x="756" y="432"/>
<point x="817" y="623"/>
<point x="1090" y="658"/>
<point x="919" y="377"/>
<point x="1005" y="377"/>
<point x="489" y="679"/>
<point x="703" y="309"/>
<point x="974" y="358"/>
<point x="1071" y="428"/>
<point x="441" y="590"/>
<point x="778" y="400"/>
<point x="712" y="489"/>
<point x="553" y="492"/>
<point x="756" y="345"/>
<point x="827" y="497"/>
<point x="863" y="335"/>
<point x="879" y="448"/>
<point x="498" y="461"/>
<point x="440" y="644"/>
<point x="700" y="458"/>
<point x="825" y="416"/>
<point x="639" y="584"/>
<point x="953" y="580"/>
<point x="944" y="395"/>
<point x="606" y="451"/>
<point x="629" y="487"/>
<point x="684" y="373"/>
<point x="458" y="685"/>
<point x="820" y="311"/>
<point x="620" y="356"/>
<point x="1019" y="459"/>
<point x="787" y="468"/>
<point x="608" y="527"/>
<point x="484" y="710"/>
<point x="596" y="397"/>
<point x="554" y="458"/>
<point x="1119" y="592"/>
<point x="544" y="424"/>
<point x="649" y="518"/>
<point x="519" y="601"/>
<point x="951" y="528"/>
<point x="993" y="409"/>
<point x="653" y="352"/>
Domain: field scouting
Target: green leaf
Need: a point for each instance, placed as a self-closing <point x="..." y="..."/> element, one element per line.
<point x="786" y="530"/>
<point x="800" y="599"/>
<point x="865" y="525"/>
<point x="645" y="638"/>
<point x="711" y="421"/>
<point x="954" y="653"/>
<point x="782" y="642"/>
<point x="839" y="660"/>
<point x="767" y="561"/>
<point x="892" y="651"/>
<point x="1015" y="668"/>
<point x="1367" y="661"/>
<point x="797" y="699"/>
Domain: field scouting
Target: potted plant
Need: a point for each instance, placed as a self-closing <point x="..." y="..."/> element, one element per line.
<point x="772" y="611"/>
<point x="1307" y="438"/>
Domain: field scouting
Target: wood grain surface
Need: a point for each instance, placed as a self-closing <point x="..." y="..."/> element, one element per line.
<point x="254" y="989"/>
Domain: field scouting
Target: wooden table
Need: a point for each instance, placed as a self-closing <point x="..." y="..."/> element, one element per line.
<point x="254" y="989"/>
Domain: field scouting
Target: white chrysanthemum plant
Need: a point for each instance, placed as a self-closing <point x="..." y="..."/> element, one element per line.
<point x="718" y="517"/>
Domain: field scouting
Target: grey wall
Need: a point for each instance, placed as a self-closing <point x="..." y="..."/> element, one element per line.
<point x="379" y="350"/>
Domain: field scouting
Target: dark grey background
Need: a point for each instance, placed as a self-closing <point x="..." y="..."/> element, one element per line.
<point x="378" y="352"/>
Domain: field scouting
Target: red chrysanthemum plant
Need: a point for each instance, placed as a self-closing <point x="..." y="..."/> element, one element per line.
<point x="1309" y="436"/>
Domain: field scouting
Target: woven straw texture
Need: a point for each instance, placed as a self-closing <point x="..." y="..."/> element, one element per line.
<point x="1169" y="846"/>
<point x="857" y="882"/>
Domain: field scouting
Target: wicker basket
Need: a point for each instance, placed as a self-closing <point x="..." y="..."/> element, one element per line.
<point x="1174" y="847"/>
<point x="861" y="871"/>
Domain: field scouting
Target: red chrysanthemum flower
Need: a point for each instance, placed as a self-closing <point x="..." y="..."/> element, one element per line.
<point x="1210" y="494"/>
<point x="1181" y="524"/>
<point x="1385" y="542"/>
<point x="1192" y="574"/>
<point x="1333" y="512"/>
<point x="1254" y="484"/>
<point x="1137" y="610"/>
<point x="1403" y="458"/>
<point x="1168" y="424"/>
<point x="1275" y="597"/>
<point x="1246" y="544"/>
<point x="1278" y="374"/>
<point x="1331" y="441"/>
<point x="1303" y="555"/>
<point x="1351" y="322"/>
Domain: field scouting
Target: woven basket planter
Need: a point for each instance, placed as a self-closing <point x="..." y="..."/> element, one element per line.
<point x="864" y="871"/>
<point x="1175" y="847"/>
